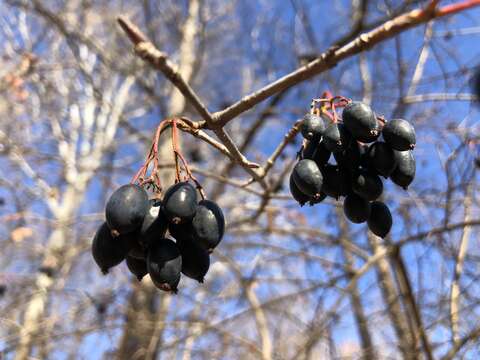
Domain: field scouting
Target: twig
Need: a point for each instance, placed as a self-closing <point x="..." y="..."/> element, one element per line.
<point x="159" y="60"/>
<point x="332" y="56"/>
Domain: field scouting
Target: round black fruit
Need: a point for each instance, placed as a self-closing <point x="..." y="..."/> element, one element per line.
<point x="195" y="260"/>
<point x="126" y="209"/>
<point x="404" y="172"/>
<point x="366" y="185"/>
<point x="321" y="155"/>
<point x="336" y="137"/>
<point x="208" y="224"/>
<point x="312" y="127"/>
<point x="360" y="120"/>
<point x="309" y="150"/>
<point x="164" y="264"/>
<point x="108" y="251"/>
<point x="307" y="177"/>
<point x="399" y="134"/>
<point x="335" y="181"/>
<point x="137" y="267"/>
<point x="180" y="202"/>
<point x="382" y="158"/>
<point x="155" y="224"/>
<point x="297" y="194"/>
<point x="356" y="208"/>
<point x="380" y="219"/>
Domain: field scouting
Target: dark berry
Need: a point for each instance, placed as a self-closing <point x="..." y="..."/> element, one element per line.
<point x="164" y="264"/>
<point x="297" y="194"/>
<point x="399" y="134"/>
<point x="335" y="181"/>
<point x="180" y="202"/>
<point x="154" y="225"/>
<point x="109" y="251"/>
<point x="137" y="267"/>
<point x="307" y="177"/>
<point x="404" y="172"/>
<point x="312" y="127"/>
<point x="356" y="208"/>
<point x="126" y="208"/>
<point x="380" y="219"/>
<point x="208" y="224"/>
<point x="195" y="260"/>
<point x="367" y="185"/>
<point x="360" y="120"/>
<point x="336" y="137"/>
<point x="309" y="150"/>
<point x="381" y="157"/>
<point x="321" y="155"/>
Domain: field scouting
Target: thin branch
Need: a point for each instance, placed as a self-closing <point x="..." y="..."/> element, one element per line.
<point x="332" y="56"/>
<point x="159" y="60"/>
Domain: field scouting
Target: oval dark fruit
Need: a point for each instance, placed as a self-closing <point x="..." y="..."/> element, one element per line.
<point x="309" y="150"/>
<point x="356" y="208"/>
<point x="399" y="134"/>
<point x="312" y="127"/>
<point x="360" y="120"/>
<point x="307" y="177"/>
<point x="336" y="137"/>
<point x="335" y="181"/>
<point x="137" y="267"/>
<point x="404" y="172"/>
<point x="195" y="260"/>
<point x="208" y="224"/>
<point x="317" y="199"/>
<point x="109" y="251"/>
<point x="382" y="158"/>
<point x="155" y="224"/>
<point x="297" y="194"/>
<point x="380" y="219"/>
<point x="321" y="155"/>
<point x="164" y="264"/>
<point x="180" y="202"/>
<point x="366" y="185"/>
<point x="126" y="208"/>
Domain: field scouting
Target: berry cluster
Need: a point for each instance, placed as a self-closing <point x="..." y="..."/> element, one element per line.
<point x="358" y="166"/>
<point x="136" y="227"/>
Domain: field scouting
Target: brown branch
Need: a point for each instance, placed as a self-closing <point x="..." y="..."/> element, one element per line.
<point x="332" y="56"/>
<point x="159" y="60"/>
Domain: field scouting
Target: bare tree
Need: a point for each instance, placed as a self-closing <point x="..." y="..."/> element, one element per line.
<point x="78" y="109"/>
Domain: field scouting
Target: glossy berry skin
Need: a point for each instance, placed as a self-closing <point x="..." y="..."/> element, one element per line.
<point x="155" y="224"/>
<point x="310" y="149"/>
<point x="366" y="185"/>
<point x="335" y="181"/>
<point x="336" y="137"/>
<point x="195" y="260"/>
<point x="312" y="127"/>
<point x="404" y="172"/>
<point x="307" y="177"/>
<point x="180" y="203"/>
<point x="126" y="208"/>
<point x="382" y="158"/>
<point x="380" y="219"/>
<point x="108" y="251"/>
<point x="164" y="264"/>
<point x="137" y="267"/>
<point x="360" y="120"/>
<point x="352" y="157"/>
<point x="321" y="155"/>
<point x="399" y="134"/>
<point x="208" y="225"/>
<point x="356" y="209"/>
<point x="297" y="194"/>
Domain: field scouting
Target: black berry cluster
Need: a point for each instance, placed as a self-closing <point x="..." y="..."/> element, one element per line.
<point x="365" y="148"/>
<point x="169" y="235"/>
<point x="136" y="231"/>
